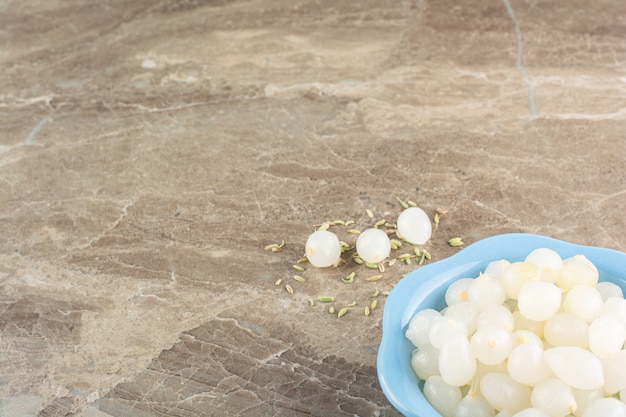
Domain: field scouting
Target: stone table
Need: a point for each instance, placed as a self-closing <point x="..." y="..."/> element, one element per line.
<point x="150" y="150"/>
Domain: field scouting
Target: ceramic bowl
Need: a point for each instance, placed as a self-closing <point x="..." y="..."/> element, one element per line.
<point x="425" y="288"/>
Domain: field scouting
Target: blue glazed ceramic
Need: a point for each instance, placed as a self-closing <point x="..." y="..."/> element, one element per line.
<point x="425" y="288"/>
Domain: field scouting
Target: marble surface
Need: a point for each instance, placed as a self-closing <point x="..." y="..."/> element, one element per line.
<point x="150" y="150"/>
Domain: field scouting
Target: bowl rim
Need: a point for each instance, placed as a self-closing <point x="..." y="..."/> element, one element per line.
<point x="414" y="290"/>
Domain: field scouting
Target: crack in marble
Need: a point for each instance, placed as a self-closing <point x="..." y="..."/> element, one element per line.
<point x="31" y="136"/>
<point x="519" y="63"/>
<point x="124" y="213"/>
<point x="495" y="210"/>
<point x="616" y="115"/>
<point x="26" y="102"/>
<point x="147" y="109"/>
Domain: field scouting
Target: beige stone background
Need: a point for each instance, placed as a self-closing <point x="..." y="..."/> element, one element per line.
<point x="149" y="150"/>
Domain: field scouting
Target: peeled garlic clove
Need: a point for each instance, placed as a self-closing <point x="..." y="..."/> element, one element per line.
<point x="503" y="393"/>
<point x="457" y="362"/>
<point x="323" y="248"/>
<point x="419" y="326"/>
<point x="485" y="291"/>
<point x="539" y="300"/>
<point x="583" y="301"/>
<point x="442" y="396"/>
<point x="414" y="225"/>
<point x="527" y="364"/>
<point x="491" y="344"/>
<point x="576" y="366"/>
<point x="516" y="275"/>
<point x="424" y="362"/>
<point x="555" y="397"/>
<point x="444" y="329"/>
<point x="615" y="373"/>
<point x="605" y="407"/>
<point x="474" y="405"/>
<point x="565" y="329"/>
<point x="577" y="270"/>
<point x="606" y="336"/>
<point x="548" y="261"/>
<point x="608" y="289"/>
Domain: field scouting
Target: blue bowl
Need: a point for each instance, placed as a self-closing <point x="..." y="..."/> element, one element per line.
<point x="425" y="288"/>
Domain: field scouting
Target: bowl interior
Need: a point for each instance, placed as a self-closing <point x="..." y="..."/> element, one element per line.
<point x="425" y="288"/>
